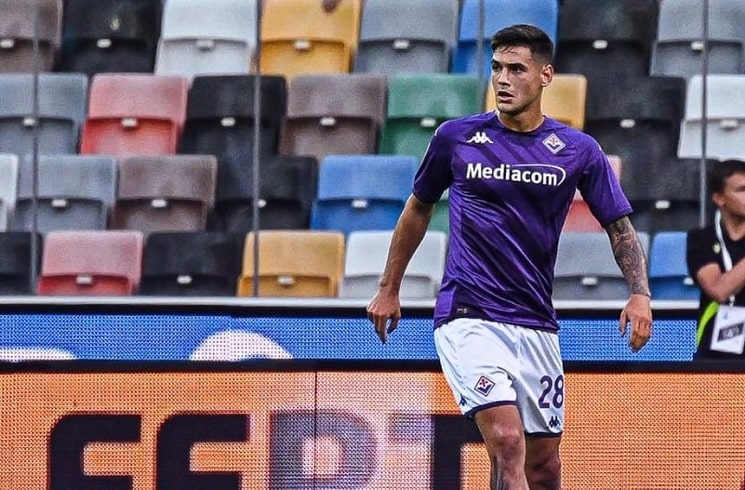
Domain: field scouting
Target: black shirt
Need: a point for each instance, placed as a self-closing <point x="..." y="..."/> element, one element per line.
<point x="702" y="249"/>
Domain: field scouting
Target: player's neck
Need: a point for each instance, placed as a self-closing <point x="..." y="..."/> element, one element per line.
<point x="734" y="226"/>
<point x="523" y="122"/>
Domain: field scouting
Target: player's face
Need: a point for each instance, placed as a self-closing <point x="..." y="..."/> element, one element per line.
<point x="732" y="199"/>
<point x="518" y="80"/>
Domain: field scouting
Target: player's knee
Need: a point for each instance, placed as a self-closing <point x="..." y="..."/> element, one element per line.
<point x="544" y="472"/>
<point x="505" y="443"/>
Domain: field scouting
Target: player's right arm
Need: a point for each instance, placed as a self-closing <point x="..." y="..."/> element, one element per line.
<point x="384" y="310"/>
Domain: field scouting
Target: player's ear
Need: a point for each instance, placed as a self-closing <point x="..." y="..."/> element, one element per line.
<point x="547" y="75"/>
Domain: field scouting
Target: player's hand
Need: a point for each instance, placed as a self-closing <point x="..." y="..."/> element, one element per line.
<point x="384" y="311"/>
<point x="638" y="313"/>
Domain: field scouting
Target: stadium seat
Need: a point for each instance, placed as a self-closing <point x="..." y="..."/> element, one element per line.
<point x="639" y="129"/>
<point x="18" y="30"/>
<point x="413" y="114"/>
<point x="362" y="192"/>
<point x="396" y="38"/>
<point x="91" y="263"/>
<point x="301" y="263"/>
<point x="75" y="192"/>
<point x="496" y="15"/>
<point x="606" y="39"/>
<point x="679" y="47"/>
<point x="725" y="118"/>
<point x="8" y="188"/>
<point x="16" y="255"/>
<point x="191" y="264"/>
<point x="287" y="191"/>
<point x="365" y="261"/>
<point x="668" y="269"/>
<point x="134" y="114"/>
<point x="333" y="114"/>
<point x="165" y="193"/>
<point x="201" y="37"/>
<point x="220" y="121"/>
<point x="62" y="105"/>
<point x="580" y="218"/>
<point x="586" y="269"/>
<point x="315" y="41"/>
<point x="564" y="100"/>
<point x="109" y="36"/>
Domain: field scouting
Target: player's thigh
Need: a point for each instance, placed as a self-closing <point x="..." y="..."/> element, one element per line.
<point x="540" y="384"/>
<point x="478" y="359"/>
<point x="541" y="450"/>
<point x="502" y="430"/>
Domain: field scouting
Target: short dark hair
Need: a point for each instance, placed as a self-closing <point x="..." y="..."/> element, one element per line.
<point x="721" y="171"/>
<point x="539" y="42"/>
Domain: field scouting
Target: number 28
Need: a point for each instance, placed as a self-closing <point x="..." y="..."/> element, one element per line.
<point x="552" y="386"/>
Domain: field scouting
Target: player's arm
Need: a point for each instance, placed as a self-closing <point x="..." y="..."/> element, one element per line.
<point x="629" y="255"/>
<point x="410" y="229"/>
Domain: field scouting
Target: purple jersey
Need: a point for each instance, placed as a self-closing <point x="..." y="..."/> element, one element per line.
<point x="509" y="197"/>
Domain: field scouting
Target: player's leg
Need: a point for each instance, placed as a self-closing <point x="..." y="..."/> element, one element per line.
<point x="540" y="391"/>
<point x="502" y="430"/>
<point x="477" y="359"/>
<point x="542" y="462"/>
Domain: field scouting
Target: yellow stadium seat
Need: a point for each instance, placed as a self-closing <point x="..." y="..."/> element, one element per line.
<point x="294" y="263"/>
<point x="300" y="37"/>
<point x="564" y="100"/>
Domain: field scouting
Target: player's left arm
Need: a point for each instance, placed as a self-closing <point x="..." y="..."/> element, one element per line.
<point x="629" y="255"/>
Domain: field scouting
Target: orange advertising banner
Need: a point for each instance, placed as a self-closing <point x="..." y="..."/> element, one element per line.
<point x="343" y="430"/>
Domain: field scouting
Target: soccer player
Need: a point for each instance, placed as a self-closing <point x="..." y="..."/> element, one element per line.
<point x="512" y="175"/>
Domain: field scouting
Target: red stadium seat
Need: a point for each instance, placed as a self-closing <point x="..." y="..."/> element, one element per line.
<point x="134" y="114"/>
<point x="91" y="263"/>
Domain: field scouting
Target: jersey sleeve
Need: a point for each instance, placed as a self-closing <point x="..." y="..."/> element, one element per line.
<point x="601" y="189"/>
<point x="435" y="172"/>
<point x="700" y="251"/>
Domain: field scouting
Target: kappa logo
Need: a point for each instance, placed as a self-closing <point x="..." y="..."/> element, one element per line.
<point x="480" y="137"/>
<point x="554" y="422"/>
<point x="554" y="144"/>
<point x="484" y="385"/>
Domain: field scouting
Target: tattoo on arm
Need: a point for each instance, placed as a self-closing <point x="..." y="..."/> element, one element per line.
<point x="629" y="255"/>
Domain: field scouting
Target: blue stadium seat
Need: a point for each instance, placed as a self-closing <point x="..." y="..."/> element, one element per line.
<point x="668" y="271"/>
<point x="497" y="14"/>
<point x="362" y="192"/>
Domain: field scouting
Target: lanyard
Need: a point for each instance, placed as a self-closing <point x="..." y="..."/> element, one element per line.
<point x="726" y="257"/>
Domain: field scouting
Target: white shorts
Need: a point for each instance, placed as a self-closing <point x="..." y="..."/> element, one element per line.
<point x="489" y="364"/>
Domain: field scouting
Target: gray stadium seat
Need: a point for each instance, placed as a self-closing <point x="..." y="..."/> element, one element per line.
<point x="18" y="29"/>
<point x="202" y="37"/>
<point x="338" y="114"/>
<point x="395" y="37"/>
<point x="75" y="192"/>
<point x="62" y="105"/>
<point x="586" y="269"/>
<point x="365" y="260"/>
<point x="725" y="114"/>
<point x="8" y="186"/>
<point x="678" y="49"/>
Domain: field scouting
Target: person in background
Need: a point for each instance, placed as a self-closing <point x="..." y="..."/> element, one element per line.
<point x="715" y="255"/>
<point x="511" y="175"/>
